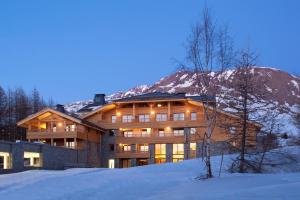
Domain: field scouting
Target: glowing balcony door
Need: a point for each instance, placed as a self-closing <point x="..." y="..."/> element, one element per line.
<point x="111" y="163"/>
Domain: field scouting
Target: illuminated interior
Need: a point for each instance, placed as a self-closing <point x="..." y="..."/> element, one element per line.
<point x="32" y="159"/>
<point x="5" y="160"/>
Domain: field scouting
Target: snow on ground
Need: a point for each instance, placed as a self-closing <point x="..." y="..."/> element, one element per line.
<point x="165" y="181"/>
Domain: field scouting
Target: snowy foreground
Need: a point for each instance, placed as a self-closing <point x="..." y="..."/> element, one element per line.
<point x="165" y="181"/>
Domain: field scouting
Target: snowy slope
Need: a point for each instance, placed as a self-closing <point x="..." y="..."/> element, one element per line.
<point x="284" y="86"/>
<point x="165" y="181"/>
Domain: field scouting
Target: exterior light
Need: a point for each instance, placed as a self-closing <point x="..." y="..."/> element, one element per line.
<point x="118" y="114"/>
<point x="159" y="105"/>
<point x="168" y="128"/>
<point x="152" y="112"/>
<point x="188" y="111"/>
<point x="59" y="124"/>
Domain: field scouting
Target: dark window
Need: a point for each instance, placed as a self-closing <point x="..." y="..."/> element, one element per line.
<point x="111" y="133"/>
<point x="111" y="147"/>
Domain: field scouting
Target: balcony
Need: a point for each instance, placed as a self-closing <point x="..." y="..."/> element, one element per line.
<point x="150" y="138"/>
<point x="54" y="135"/>
<point x="132" y="154"/>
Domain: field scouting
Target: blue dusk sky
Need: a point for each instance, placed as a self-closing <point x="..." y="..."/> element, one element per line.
<point x="70" y="50"/>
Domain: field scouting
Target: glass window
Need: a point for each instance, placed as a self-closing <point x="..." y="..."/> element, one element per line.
<point x="144" y="148"/>
<point x="145" y="132"/>
<point x="32" y="159"/>
<point x="5" y="160"/>
<point x="178" y="152"/>
<point x="127" y="118"/>
<point x="111" y="163"/>
<point x="161" y="117"/>
<point x="161" y="133"/>
<point x="113" y="119"/>
<point x="193" y="116"/>
<point x="178" y="132"/>
<point x="144" y="118"/>
<point x="193" y="131"/>
<point x="128" y="134"/>
<point x="178" y="116"/>
<point x="70" y="144"/>
<point x="160" y="153"/>
<point x="70" y="128"/>
<point x="126" y="147"/>
<point x="193" y="146"/>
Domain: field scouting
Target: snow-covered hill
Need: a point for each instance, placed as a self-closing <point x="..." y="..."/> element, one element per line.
<point x="152" y="182"/>
<point x="284" y="86"/>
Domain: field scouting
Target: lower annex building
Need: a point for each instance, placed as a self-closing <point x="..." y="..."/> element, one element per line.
<point x="138" y="130"/>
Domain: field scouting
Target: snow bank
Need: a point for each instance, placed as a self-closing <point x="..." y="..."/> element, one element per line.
<point x="165" y="181"/>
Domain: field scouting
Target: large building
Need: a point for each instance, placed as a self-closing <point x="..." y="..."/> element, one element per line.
<point x="139" y="130"/>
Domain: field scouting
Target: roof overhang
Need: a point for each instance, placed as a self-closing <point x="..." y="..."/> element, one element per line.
<point x="45" y="112"/>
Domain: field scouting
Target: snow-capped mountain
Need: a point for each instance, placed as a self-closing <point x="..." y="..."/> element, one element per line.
<point x="284" y="87"/>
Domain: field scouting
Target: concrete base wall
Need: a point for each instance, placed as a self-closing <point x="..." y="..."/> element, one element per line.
<point x="51" y="158"/>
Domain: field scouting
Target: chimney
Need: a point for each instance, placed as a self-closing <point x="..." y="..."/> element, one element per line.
<point x="99" y="99"/>
<point x="60" y="108"/>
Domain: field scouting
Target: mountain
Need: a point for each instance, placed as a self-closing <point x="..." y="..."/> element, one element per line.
<point x="284" y="87"/>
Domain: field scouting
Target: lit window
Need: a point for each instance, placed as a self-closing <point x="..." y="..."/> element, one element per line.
<point x="146" y="132"/>
<point x="5" y="160"/>
<point x="32" y="159"/>
<point x="126" y="147"/>
<point x="111" y="163"/>
<point x="160" y="153"/>
<point x="161" y="133"/>
<point x="178" y="116"/>
<point x="113" y="119"/>
<point x="178" y="152"/>
<point x="70" y="128"/>
<point x="193" y="131"/>
<point x="193" y="146"/>
<point x="161" y="117"/>
<point x="144" y="118"/>
<point x="178" y="132"/>
<point x="128" y="134"/>
<point x="193" y="116"/>
<point x="70" y="144"/>
<point x="127" y="118"/>
<point x="144" y="148"/>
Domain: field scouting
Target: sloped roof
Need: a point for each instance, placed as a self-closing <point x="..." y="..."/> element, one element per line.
<point x="72" y="117"/>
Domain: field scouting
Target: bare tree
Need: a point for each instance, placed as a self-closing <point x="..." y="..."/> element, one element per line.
<point x="208" y="50"/>
<point x="247" y="101"/>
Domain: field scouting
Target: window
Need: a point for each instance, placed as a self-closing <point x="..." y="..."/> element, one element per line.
<point x="111" y="147"/>
<point x="112" y="133"/>
<point x="232" y="130"/>
<point x="193" y="131"/>
<point x="54" y="128"/>
<point x="178" y="116"/>
<point x="146" y="132"/>
<point x="128" y="133"/>
<point x="144" y="118"/>
<point x="178" y="132"/>
<point x="144" y="148"/>
<point x="113" y="119"/>
<point x="111" y="163"/>
<point x="126" y="147"/>
<point x="70" y="144"/>
<point x="161" y="133"/>
<point x="70" y="128"/>
<point x="161" y="117"/>
<point x="5" y="160"/>
<point x="127" y="118"/>
<point x="160" y="153"/>
<point x="193" y="146"/>
<point x="193" y="116"/>
<point x="32" y="159"/>
<point x="178" y="152"/>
